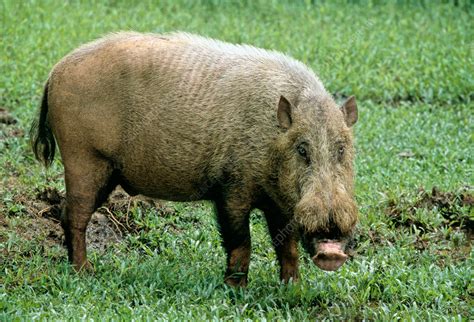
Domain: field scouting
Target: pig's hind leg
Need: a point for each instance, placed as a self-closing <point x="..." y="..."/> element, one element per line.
<point x="89" y="181"/>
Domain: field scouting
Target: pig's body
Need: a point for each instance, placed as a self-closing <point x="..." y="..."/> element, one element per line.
<point x="180" y="117"/>
<point x="127" y="108"/>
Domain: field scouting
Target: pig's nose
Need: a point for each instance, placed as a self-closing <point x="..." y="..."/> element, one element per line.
<point x="329" y="256"/>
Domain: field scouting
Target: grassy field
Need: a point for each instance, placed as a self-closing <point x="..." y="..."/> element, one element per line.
<point x="411" y="67"/>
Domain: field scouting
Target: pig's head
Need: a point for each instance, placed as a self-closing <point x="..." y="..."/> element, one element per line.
<point x="313" y="162"/>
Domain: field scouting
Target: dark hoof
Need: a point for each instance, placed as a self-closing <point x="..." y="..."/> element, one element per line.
<point x="85" y="267"/>
<point x="236" y="280"/>
<point x="290" y="280"/>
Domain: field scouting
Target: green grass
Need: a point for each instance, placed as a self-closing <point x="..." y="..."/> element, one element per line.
<point x="411" y="67"/>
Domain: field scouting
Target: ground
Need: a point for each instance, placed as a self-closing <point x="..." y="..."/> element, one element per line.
<point x="410" y="66"/>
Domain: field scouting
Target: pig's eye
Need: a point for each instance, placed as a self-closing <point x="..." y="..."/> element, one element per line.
<point x="302" y="151"/>
<point x="340" y="153"/>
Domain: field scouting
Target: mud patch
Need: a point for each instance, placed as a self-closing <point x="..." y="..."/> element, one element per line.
<point x="439" y="222"/>
<point x="41" y="218"/>
<point x="46" y="231"/>
<point x="8" y="127"/>
<point x="119" y="206"/>
<point x="432" y="221"/>
<point x="6" y="117"/>
<point x="455" y="208"/>
<point x="53" y="203"/>
<point x="101" y="234"/>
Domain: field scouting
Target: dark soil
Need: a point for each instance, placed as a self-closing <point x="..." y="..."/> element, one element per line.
<point x="41" y="217"/>
<point x="6" y="117"/>
<point x="450" y="205"/>
<point x="445" y="239"/>
<point x="450" y="239"/>
<point x="9" y="126"/>
<point x="119" y="204"/>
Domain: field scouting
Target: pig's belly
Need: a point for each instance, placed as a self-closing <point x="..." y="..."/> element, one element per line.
<point x="167" y="185"/>
<point x="164" y="164"/>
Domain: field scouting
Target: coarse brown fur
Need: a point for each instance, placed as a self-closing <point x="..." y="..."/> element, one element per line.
<point x="181" y="117"/>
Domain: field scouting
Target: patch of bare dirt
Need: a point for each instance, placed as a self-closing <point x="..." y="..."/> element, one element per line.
<point x="452" y="238"/>
<point x="107" y="227"/>
<point x="6" y="117"/>
<point x="48" y="232"/>
<point x="448" y="204"/>
<point x="119" y="204"/>
<point x="49" y="201"/>
<point x="8" y="126"/>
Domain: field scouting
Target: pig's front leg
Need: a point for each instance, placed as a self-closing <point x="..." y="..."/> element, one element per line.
<point x="233" y="219"/>
<point x="285" y="241"/>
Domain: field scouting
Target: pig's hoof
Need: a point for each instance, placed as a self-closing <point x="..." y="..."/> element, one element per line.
<point x="287" y="278"/>
<point x="290" y="280"/>
<point x="329" y="261"/>
<point x="85" y="267"/>
<point x="236" y="280"/>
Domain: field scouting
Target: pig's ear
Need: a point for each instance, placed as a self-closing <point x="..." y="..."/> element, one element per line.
<point x="284" y="113"/>
<point x="349" y="109"/>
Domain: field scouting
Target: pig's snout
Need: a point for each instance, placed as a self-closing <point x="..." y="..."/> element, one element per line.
<point x="329" y="255"/>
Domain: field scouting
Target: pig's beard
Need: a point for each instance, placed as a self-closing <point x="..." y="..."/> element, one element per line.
<point x="320" y="212"/>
